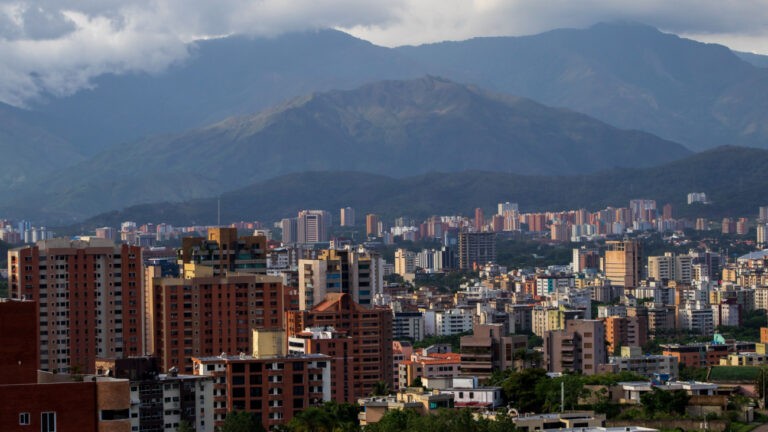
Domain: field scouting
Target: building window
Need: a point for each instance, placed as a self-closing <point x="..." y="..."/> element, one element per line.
<point x="48" y="422"/>
<point x="24" y="419"/>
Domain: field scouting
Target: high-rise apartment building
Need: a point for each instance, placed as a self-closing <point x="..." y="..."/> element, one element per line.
<point x="50" y="402"/>
<point x="560" y="231"/>
<point x="476" y="249"/>
<point x="372" y="225"/>
<point x="222" y="252"/>
<point x="585" y="259"/>
<point x="667" y="211"/>
<point x="762" y="213"/>
<point x="728" y="226"/>
<point x="623" y="263"/>
<point x="337" y="345"/>
<point x="361" y="275"/>
<point x="312" y="226"/>
<point x="370" y="331"/>
<point x="162" y="400"/>
<point x="706" y="264"/>
<point x="89" y="299"/>
<point x="580" y="347"/>
<point x="497" y="223"/>
<point x="670" y="267"/>
<point x="205" y="316"/>
<point x="742" y="226"/>
<point x="405" y="262"/>
<point x="626" y="331"/>
<point x="642" y="209"/>
<point x="507" y="207"/>
<point x="108" y="233"/>
<point x="489" y="348"/>
<point x="290" y="229"/>
<point x="275" y="388"/>
<point x="19" y="356"/>
<point x="347" y="217"/>
<point x="479" y="219"/>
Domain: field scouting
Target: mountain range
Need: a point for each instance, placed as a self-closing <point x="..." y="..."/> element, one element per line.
<point x="629" y="75"/>
<point x="397" y="128"/>
<point x="241" y="110"/>
<point x="727" y="174"/>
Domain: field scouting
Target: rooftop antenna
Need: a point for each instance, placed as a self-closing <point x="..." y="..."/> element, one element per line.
<point x="218" y="213"/>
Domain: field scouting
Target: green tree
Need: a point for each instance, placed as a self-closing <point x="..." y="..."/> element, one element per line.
<point x="520" y="389"/>
<point x="663" y="401"/>
<point x="761" y="384"/>
<point x="312" y="419"/>
<point x="185" y="426"/>
<point x="241" y="421"/>
<point x="551" y="389"/>
<point x="692" y="373"/>
<point x="395" y="421"/>
<point x="417" y="382"/>
<point x="381" y="388"/>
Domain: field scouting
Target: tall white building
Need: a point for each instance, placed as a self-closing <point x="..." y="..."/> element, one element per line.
<point x="361" y="275"/>
<point x="312" y="226"/>
<point x="453" y="321"/>
<point x="671" y="267"/>
<point x="697" y="320"/>
<point x="505" y="207"/>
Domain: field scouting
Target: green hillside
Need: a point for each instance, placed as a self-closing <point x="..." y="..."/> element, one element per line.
<point x="733" y="177"/>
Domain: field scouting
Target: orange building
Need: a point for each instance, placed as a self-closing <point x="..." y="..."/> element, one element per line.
<point x="763" y="334"/>
<point x="705" y="354"/>
<point x="338" y="346"/>
<point x="626" y="331"/>
<point x="276" y="388"/>
<point x="372" y="225"/>
<point x="437" y="365"/>
<point x="370" y="331"/>
<point x="479" y="219"/>
<point x="205" y="316"/>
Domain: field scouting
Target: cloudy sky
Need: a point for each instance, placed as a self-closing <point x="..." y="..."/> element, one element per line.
<point x="58" y="46"/>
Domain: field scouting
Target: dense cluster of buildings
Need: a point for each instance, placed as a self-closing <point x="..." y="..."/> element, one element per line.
<point x="229" y="322"/>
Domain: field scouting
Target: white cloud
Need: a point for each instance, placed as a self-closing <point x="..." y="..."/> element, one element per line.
<point x="59" y="46"/>
<point x="431" y="21"/>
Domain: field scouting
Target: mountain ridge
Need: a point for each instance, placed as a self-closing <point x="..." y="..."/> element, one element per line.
<point x="629" y="75"/>
<point x="737" y="193"/>
<point x="397" y="128"/>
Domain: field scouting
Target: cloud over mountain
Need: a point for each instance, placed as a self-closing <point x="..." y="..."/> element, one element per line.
<point x="56" y="47"/>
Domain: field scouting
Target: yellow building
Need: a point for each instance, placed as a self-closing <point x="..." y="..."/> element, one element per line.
<point x="623" y="263"/>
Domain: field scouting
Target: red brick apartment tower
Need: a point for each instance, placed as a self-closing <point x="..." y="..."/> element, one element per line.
<point x="275" y="388"/>
<point x="18" y="348"/>
<point x="479" y="219"/>
<point x="338" y="347"/>
<point x="88" y="296"/>
<point x="207" y="316"/>
<point x="50" y="402"/>
<point x="370" y="331"/>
